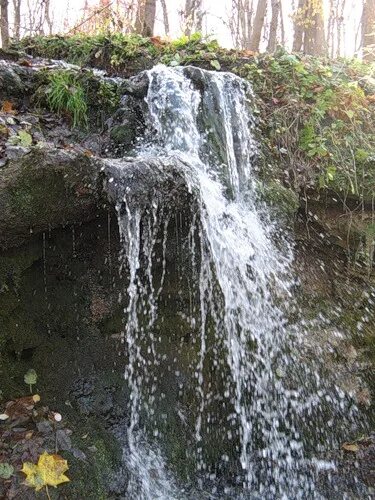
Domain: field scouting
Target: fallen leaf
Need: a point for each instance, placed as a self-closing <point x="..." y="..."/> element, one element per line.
<point x="216" y="64"/>
<point x="248" y="53"/>
<point x="6" y="470"/>
<point x="20" y="407"/>
<point x="49" y="471"/>
<point x="23" y="139"/>
<point x="7" y="107"/>
<point x="350" y="447"/>
<point x="25" y="62"/>
<point x="157" y="41"/>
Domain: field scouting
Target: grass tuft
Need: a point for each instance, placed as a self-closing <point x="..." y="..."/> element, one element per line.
<point x="66" y="95"/>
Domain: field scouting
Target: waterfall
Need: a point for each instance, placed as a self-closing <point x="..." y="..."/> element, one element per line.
<point x="241" y="369"/>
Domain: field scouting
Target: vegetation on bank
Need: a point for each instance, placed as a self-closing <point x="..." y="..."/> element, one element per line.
<point x="117" y="50"/>
<point x="317" y="115"/>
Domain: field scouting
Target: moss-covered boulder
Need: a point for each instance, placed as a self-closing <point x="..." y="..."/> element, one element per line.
<point x="44" y="189"/>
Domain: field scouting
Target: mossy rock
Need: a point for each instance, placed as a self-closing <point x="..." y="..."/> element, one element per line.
<point x="46" y="189"/>
<point x="284" y="200"/>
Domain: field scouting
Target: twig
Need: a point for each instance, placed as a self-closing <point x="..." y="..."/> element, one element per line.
<point x="90" y="17"/>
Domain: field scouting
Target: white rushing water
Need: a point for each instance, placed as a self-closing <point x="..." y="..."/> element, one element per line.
<point x="240" y="264"/>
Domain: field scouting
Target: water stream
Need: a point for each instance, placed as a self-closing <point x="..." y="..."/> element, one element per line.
<point x="237" y="397"/>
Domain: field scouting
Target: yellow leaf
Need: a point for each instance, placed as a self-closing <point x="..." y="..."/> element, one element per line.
<point x="49" y="471"/>
<point x="350" y="447"/>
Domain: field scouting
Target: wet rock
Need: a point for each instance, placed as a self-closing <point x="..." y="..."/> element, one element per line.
<point x="16" y="152"/>
<point x="126" y="126"/>
<point x="45" y="189"/>
<point x="151" y="178"/>
<point x="136" y="86"/>
<point x="14" y="80"/>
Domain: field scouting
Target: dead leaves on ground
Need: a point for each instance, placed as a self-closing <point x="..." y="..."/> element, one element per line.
<point x="26" y="433"/>
<point x="20" y="408"/>
<point x="7" y="107"/>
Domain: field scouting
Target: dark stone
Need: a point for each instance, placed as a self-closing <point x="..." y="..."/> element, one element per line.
<point x="136" y="86"/>
<point x="14" y="80"/>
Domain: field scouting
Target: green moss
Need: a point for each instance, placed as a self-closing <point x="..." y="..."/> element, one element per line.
<point x="90" y="478"/>
<point x="30" y="198"/>
<point x="123" y="135"/>
<point x="284" y="200"/>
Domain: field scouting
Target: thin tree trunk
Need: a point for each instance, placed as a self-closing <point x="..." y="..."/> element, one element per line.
<point x="193" y="16"/>
<point x="149" y="21"/>
<point x="282" y="26"/>
<point x="299" y="26"/>
<point x="47" y="16"/>
<point x="260" y="15"/>
<point x="4" y="23"/>
<point x="309" y="32"/>
<point x="368" y="30"/>
<point x="17" y="19"/>
<point x="274" y="25"/>
<point x="165" y="17"/>
<point x="140" y="16"/>
<point x="331" y="28"/>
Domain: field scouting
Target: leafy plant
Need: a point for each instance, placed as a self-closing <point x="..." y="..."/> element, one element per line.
<point x="23" y="138"/>
<point x="107" y="96"/>
<point x="30" y="378"/>
<point x="66" y="95"/>
<point x="322" y="114"/>
<point x="6" y="470"/>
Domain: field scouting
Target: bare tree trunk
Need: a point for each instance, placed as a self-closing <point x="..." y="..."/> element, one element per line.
<point x="165" y="17"/>
<point x="299" y="17"/>
<point x="145" y="20"/>
<point x="4" y="23"/>
<point x="274" y="25"/>
<point x="340" y="9"/>
<point x="47" y="16"/>
<point x="368" y="30"/>
<point x="260" y="15"/>
<point x="17" y="18"/>
<point x="150" y="14"/>
<point x="193" y="16"/>
<point x="240" y="22"/>
<point x="331" y="28"/>
<point x="309" y="32"/>
<point x="282" y="25"/>
<point x="140" y="15"/>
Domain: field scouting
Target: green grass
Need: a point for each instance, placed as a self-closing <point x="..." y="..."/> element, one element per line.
<point x="66" y="96"/>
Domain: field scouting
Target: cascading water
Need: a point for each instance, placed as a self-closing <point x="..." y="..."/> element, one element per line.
<point x="241" y="384"/>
